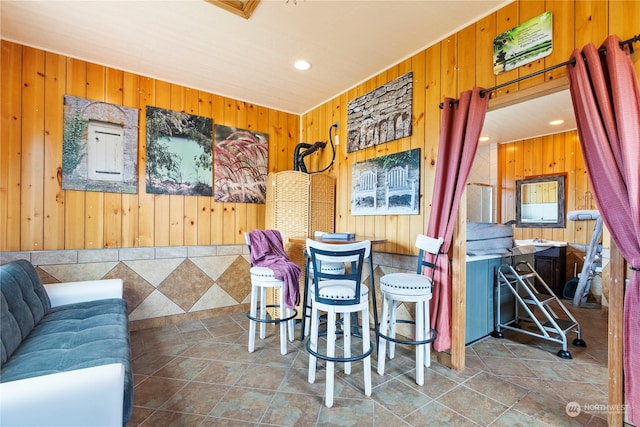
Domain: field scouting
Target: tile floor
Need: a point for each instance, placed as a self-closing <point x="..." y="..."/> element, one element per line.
<point x="201" y="374"/>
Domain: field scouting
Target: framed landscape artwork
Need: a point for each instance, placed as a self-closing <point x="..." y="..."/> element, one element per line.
<point x="178" y="153"/>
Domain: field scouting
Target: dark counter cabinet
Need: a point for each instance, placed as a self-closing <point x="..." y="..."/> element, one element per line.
<point x="550" y="264"/>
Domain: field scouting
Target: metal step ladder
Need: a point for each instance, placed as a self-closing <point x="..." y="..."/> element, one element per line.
<point x="538" y="311"/>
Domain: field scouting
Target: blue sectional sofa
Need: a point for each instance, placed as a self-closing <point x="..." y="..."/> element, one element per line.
<point x="66" y="357"/>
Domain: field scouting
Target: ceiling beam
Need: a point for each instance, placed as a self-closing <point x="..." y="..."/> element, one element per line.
<point x="243" y="8"/>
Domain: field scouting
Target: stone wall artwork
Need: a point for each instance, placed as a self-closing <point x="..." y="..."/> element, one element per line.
<point x="382" y="115"/>
<point x="100" y="146"/>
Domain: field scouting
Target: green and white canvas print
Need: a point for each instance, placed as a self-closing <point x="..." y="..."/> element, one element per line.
<point x="178" y="153"/>
<point x="523" y="44"/>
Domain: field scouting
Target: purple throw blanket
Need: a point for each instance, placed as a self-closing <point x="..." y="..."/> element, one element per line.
<point x="267" y="250"/>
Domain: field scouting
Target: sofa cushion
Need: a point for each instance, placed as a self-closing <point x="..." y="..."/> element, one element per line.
<point x="24" y="303"/>
<point x="76" y="336"/>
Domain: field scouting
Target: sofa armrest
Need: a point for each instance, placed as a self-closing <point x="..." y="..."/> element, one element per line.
<point x="83" y="397"/>
<point x="90" y="290"/>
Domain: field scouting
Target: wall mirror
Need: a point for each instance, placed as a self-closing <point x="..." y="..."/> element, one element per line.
<point x="540" y="202"/>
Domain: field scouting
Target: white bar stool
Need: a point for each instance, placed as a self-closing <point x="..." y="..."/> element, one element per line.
<point x="342" y="294"/>
<point x="261" y="279"/>
<point x="410" y="288"/>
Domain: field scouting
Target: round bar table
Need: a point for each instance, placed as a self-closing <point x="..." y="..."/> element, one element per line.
<point x="301" y="240"/>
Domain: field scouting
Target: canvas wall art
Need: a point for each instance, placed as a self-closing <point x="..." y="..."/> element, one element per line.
<point x="381" y="115"/>
<point x="99" y="146"/>
<point x="387" y="185"/>
<point x="526" y="43"/>
<point x="241" y="165"/>
<point x="178" y="153"/>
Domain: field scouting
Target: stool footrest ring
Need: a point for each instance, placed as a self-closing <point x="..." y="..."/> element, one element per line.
<point x="432" y="333"/>
<point x="277" y="320"/>
<point x="338" y="359"/>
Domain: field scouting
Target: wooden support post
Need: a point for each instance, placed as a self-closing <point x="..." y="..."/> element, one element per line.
<point x="459" y="286"/>
<point x="616" y="316"/>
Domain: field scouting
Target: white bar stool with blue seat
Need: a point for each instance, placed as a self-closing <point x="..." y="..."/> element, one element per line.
<point x="410" y="288"/>
<point x="261" y="279"/>
<point x="339" y="294"/>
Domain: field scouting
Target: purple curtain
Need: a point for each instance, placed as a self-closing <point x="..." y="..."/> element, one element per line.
<point x="606" y="99"/>
<point x="462" y="123"/>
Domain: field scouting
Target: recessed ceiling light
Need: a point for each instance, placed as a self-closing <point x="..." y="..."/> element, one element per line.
<point x="483" y="138"/>
<point x="301" y="65"/>
<point x="556" y="122"/>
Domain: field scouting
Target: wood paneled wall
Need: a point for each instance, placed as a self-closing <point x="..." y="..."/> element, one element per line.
<point x="36" y="214"/>
<point x="453" y="65"/>
<point x="547" y="155"/>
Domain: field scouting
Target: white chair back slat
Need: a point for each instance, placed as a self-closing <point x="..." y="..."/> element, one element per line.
<point x="368" y="181"/>
<point x="429" y="244"/>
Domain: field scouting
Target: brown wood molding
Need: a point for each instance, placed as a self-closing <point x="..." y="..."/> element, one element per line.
<point x="546" y="88"/>
<point x="243" y="8"/>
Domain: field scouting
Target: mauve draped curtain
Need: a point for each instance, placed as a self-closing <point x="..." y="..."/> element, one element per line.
<point x="606" y="99"/>
<point x="462" y="123"/>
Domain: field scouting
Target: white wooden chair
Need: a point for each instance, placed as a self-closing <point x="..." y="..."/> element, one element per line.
<point x="367" y="186"/>
<point x="398" y="183"/>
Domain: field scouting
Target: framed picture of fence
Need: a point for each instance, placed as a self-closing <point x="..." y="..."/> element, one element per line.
<point x="387" y="185"/>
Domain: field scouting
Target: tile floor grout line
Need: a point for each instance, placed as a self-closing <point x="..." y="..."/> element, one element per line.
<point x="572" y="370"/>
